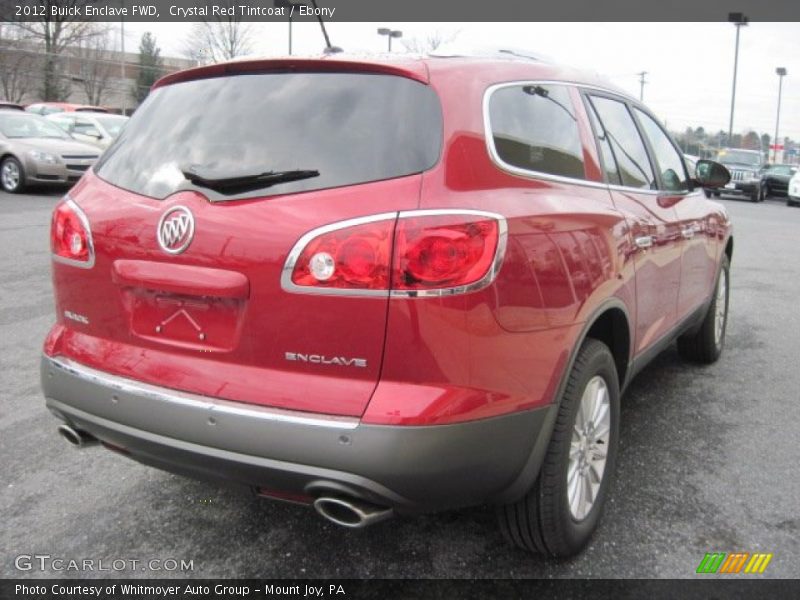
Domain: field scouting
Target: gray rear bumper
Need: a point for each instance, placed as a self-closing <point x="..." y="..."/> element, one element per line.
<point x="410" y="468"/>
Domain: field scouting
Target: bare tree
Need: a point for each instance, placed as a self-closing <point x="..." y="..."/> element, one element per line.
<point x="55" y="32"/>
<point x="220" y="39"/>
<point x="16" y="64"/>
<point x="96" y="64"/>
<point x="428" y="43"/>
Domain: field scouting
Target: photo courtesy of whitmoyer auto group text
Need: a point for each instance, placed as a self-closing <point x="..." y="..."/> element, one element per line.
<point x="377" y="299"/>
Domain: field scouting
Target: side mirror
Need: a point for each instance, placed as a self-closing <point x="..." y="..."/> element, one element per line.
<point x="711" y="174"/>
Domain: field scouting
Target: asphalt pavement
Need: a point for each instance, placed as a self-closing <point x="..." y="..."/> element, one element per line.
<point x="709" y="458"/>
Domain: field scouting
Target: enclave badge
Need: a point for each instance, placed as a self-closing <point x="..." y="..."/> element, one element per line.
<point x="175" y="230"/>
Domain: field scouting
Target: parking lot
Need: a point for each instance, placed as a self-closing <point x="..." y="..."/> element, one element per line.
<point x="708" y="462"/>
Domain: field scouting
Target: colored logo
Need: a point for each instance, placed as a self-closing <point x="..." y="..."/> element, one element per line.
<point x="175" y="230"/>
<point x="733" y="563"/>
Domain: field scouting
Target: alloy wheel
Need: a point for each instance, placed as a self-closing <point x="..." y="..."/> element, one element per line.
<point x="588" y="449"/>
<point x="10" y="175"/>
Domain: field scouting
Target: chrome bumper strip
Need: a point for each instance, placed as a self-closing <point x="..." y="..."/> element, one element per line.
<point x="213" y="405"/>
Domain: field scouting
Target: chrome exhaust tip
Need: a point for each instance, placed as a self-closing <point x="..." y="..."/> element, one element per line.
<point x="354" y="514"/>
<point x="76" y="437"/>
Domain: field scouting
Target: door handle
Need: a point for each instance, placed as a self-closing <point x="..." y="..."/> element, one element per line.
<point x="645" y="241"/>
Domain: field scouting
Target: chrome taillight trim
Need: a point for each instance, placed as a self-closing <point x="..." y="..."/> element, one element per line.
<point x="491" y="274"/>
<point x="89" y="241"/>
<point x="291" y="261"/>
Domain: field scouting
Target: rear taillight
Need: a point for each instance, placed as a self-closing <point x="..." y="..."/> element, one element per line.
<point x="411" y="253"/>
<point x="70" y="235"/>
<point x="351" y="255"/>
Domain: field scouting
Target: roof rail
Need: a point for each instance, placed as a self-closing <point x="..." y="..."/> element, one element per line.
<point x="459" y="51"/>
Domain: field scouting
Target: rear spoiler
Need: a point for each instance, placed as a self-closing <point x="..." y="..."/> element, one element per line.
<point x="411" y="69"/>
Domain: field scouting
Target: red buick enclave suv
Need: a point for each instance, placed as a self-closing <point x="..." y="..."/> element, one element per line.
<point x="386" y="286"/>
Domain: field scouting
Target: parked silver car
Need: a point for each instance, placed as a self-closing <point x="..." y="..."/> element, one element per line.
<point x="35" y="150"/>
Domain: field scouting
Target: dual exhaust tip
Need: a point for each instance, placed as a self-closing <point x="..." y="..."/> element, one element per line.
<point x="76" y="437"/>
<point x="346" y="512"/>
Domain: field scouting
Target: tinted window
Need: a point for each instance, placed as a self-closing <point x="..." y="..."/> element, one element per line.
<point x="351" y="128"/>
<point x="604" y="143"/>
<point x="628" y="147"/>
<point x="670" y="162"/>
<point x="534" y="128"/>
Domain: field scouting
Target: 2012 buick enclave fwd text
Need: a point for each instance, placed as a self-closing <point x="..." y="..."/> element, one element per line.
<point x="384" y="286"/>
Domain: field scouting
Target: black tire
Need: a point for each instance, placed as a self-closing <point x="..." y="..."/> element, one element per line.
<point x="703" y="346"/>
<point x="715" y="194"/>
<point x="755" y="196"/>
<point x="765" y="193"/>
<point x="17" y="187"/>
<point x="542" y="521"/>
<point x="790" y="202"/>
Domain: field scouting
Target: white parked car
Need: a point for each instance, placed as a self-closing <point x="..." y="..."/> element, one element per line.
<point x="793" y="194"/>
<point x="98" y="129"/>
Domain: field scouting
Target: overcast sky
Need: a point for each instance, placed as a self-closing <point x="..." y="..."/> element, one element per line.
<point x="689" y="65"/>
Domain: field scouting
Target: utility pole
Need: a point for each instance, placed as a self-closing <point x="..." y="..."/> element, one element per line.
<point x="642" y="81"/>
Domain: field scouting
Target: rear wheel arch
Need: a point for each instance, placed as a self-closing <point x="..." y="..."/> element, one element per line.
<point x="606" y="323"/>
<point x="613" y="329"/>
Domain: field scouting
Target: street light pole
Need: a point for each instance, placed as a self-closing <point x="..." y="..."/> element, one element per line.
<point x="739" y="20"/>
<point x="781" y="72"/>
<point x="390" y="33"/>
<point x="289" y="6"/>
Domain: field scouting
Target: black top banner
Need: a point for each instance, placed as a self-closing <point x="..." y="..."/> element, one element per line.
<point x="401" y="10"/>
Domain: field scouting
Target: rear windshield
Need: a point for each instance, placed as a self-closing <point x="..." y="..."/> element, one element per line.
<point x="349" y="127"/>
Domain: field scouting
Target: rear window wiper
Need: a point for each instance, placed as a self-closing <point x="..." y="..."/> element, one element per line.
<point x="245" y="183"/>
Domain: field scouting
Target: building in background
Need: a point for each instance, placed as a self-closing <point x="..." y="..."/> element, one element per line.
<point x="87" y="75"/>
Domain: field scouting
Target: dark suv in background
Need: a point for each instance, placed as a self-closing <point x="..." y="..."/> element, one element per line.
<point x="775" y="179"/>
<point x="746" y="167"/>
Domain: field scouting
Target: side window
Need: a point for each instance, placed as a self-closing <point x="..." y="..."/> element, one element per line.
<point x="669" y="160"/>
<point x="82" y="126"/>
<point x="626" y="143"/>
<point x="604" y="143"/>
<point x="534" y="127"/>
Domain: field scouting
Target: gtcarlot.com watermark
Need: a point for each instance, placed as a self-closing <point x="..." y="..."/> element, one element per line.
<point x="48" y="562"/>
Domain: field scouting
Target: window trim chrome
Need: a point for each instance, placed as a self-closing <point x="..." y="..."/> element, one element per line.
<point x="291" y="260"/>
<point x="529" y="174"/>
<point x="214" y="405"/>
<point x="89" y="241"/>
<point x="489" y="137"/>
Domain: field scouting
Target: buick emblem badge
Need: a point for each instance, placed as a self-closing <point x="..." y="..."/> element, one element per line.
<point x="175" y="230"/>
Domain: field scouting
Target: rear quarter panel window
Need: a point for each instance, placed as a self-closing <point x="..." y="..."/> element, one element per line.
<point x="534" y="127"/>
